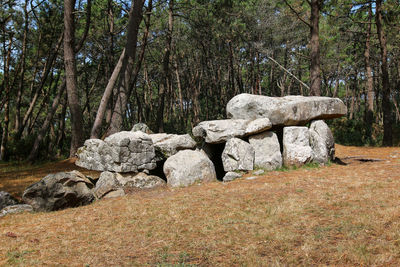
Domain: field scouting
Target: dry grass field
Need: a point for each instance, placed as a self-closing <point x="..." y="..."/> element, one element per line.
<point x="337" y="215"/>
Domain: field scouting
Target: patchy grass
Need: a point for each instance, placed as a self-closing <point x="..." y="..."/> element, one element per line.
<point x="331" y="215"/>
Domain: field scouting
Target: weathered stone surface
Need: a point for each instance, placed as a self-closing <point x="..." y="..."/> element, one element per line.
<point x="238" y="155"/>
<point x="170" y="144"/>
<point x="117" y="193"/>
<point x="107" y="183"/>
<point x="230" y="176"/>
<point x="94" y="155"/>
<point x="140" y="181"/>
<point x="59" y="191"/>
<point x="115" y="182"/>
<point x="322" y="142"/>
<point x="6" y="200"/>
<point x="15" y="209"/>
<point x="188" y="167"/>
<point x="267" y="150"/>
<point x="296" y="146"/>
<point x="141" y="127"/>
<point x="120" y="152"/>
<point x="219" y="131"/>
<point x="288" y="110"/>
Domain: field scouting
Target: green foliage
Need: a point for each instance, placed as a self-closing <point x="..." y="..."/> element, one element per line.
<point x="355" y="132"/>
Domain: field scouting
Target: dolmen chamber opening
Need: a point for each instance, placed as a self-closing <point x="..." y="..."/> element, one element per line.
<point x="260" y="132"/>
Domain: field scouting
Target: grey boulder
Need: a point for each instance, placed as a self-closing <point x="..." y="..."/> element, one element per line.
<point x="238" y="155"/>
<point x="140" y="181"/>
<point x="6" y="200"/>
<point x="288" y="110"/>
<point x="296" y="146"/>
<point x="219" y="131"/>
<point x="188" y="167"/>
<point x="230" y="176"/>
<point x="59" y="191"/>
<point x="15" y="209"/>
<point x="170" y="144"/>
<point x="106" y="184"/>
<point x="95" y="155"/>
<point x="116" y="193"/>
<point x="120" y="152"/>
<point x="141" y="127"/>
<point x="267" y="150"/>
<point x="112" y="184"/>
<point x="322" y="142"/>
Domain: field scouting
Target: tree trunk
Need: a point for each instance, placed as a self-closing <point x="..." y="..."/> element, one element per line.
<point x="370" y="83"/>
<point x="43" y="130"/>
<point x="132" y="86"/>
<point x="166" y="70"/>
<point x="315" y="69"/>
<point x="71" y="82"/>
<point x="6" y="107"/>
<point x="46" y="71"/>
<point x="22" y="72"/>
<point x="135" y="17"/>
<point x="386" y="105"/>
<point x="61" y="126"/>
<point x="95" y="132"/>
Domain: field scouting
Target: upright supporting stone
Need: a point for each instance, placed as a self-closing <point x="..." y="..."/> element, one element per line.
<point x="296" y="146"/>
<point x="238" y="155"/>
<point x="267" y="150"/>
<point x="322" y="142"/>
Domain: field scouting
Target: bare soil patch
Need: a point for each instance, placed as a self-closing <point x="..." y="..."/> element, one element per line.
<point x="342" y="215"/>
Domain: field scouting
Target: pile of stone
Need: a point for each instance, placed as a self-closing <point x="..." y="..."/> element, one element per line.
<point x="268" y="132"/>
<point x="261" y="132"/>
<point x="130" y="159"/>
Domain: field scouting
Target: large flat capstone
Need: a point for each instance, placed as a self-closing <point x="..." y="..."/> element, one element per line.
<point x="219" y="131"/>
<point x="120" y="152"/>
<point x="288" y="110"/>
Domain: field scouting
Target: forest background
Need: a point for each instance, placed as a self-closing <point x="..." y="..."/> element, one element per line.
<point x="71" y="70"/>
